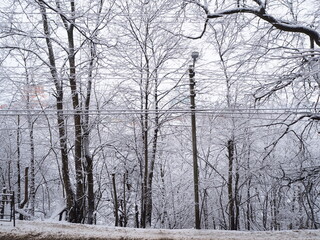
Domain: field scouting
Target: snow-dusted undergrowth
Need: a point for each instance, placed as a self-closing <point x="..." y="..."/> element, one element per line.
<point x="58" y="230"/>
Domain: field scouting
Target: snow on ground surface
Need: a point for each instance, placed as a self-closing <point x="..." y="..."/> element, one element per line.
<point x="62" y="230"/>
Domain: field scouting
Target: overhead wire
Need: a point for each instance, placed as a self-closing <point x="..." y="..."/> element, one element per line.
<point x="110" y="122"/>
<point x="237" y="111"/>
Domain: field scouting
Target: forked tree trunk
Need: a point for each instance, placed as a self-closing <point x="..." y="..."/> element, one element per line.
<point x="60" y="115"/>
<point x="78" y="208"/>
<point x="79" y="201"/>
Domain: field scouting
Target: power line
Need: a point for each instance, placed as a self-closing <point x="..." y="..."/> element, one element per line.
<point x="216" y="111"/>
<point x="170" y="124"/>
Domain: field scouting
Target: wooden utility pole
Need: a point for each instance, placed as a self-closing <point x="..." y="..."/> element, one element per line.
<point x="194" y="142"/>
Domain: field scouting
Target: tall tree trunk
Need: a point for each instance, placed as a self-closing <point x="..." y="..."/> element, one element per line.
<point x="145" y="191"/>
<point x="79" y="201"/>
<point x="86" y="129"/>
<point x="79" y="205"/>
<point x="86" y="141"/>
<point x="28" y="90"/>
<point x="153" y="154"/>
<point x="145" y="131"/>
<point x="150" y="176"/>
<point x="60" y="115"/>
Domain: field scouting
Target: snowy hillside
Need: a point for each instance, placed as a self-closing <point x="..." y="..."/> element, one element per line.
<point x="57" y="230"/>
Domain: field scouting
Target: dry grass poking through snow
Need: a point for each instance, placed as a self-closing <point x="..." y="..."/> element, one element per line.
<point x="55" y="231"/>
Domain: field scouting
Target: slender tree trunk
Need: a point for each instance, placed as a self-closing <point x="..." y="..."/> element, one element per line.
<point x="274" y="210"/>
<point x="163" y="198"/>
<point x="311" y="205"/>
<point x="145" y="132"/>
<point x="125" y="185"/>
<point x="265" y="212"/>
<point x="26" y="191"/>
<point x="115" y="199"/>
<point x="146" y="166"/>
<point x="32" y="168"/>
<point x="293" y="203"/>
<point x="223" y="221"/>
<point x="205" y="209"/>
<point x="248" y="176"/>
<point x="300" y="200"/>
<point x="136" y="216"/>
<point x="3" y="202"/>
<point x="232" y="225"/>
<point x="86" y="141"/>
<point x="86" y="130"/>
<point x="153" y="154"/>
<point x="91" y="204"/>
<point x="18" y="163"/>
<point x="248" y="210"/>
<point x="28" y="90"/>
<point x="237" y="198"/>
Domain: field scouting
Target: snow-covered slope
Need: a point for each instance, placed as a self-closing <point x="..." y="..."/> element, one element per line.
<point x="58" y="230"/>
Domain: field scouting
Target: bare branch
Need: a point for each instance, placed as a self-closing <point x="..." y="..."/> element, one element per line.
<point x="26" y="50"/>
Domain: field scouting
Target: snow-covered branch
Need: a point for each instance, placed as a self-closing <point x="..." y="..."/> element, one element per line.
<point x="260" y="12"/>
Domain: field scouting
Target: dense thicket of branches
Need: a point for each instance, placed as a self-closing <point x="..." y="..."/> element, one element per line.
<point x="95" y="103"/>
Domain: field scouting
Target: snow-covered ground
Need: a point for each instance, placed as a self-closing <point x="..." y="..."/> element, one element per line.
<point x="62" y="230"/>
